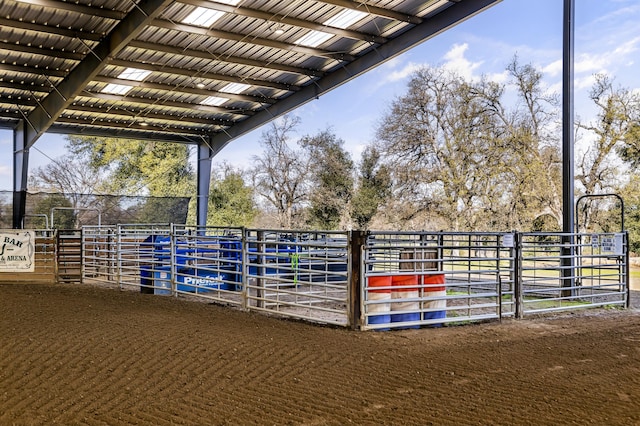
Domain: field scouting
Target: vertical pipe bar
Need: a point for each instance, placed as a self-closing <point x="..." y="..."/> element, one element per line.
<point x="172" y="260"/>
<point x="119" y="257"/>
<point x="260" y="269"/>
<point x="517" y="274"/>
<point x="625" y="246"/>
<point x="567" y="258"/>
<point x="244" y="267"/>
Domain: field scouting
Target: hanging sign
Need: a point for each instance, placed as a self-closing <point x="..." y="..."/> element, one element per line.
<point x="612" y="243"/>
<point x="17" y="251"/>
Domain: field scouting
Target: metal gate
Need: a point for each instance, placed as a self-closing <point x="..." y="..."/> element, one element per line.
<point x="369" y="281"/>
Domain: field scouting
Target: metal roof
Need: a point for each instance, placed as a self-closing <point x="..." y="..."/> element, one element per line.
<point x="194" y="71"/>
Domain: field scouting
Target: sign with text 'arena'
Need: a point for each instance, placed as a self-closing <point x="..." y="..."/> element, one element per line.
<point x="17" y="251"/>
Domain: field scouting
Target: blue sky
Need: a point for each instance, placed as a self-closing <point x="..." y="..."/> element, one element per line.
<point x="607" y="40"/>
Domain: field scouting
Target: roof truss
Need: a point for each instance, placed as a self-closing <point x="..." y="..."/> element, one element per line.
<point x="61" y="61"/>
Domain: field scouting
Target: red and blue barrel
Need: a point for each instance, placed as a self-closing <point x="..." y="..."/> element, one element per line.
<point x="406" y="290"/>
<point x="379" y="296"/>
<point x="434" y="294"/>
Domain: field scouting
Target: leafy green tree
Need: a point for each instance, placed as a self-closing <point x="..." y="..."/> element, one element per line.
<point x="373" y="189"/>
<point x="230" y="199"/>
<point x="331" y="179"/>
<point x="62" y="219"/>
<point x="134" y="167"/>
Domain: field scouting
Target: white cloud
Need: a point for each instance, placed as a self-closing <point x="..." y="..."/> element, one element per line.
<point x="456" y="61"/>
<point x="554" y="68"/>
<point x="501" y="77"/>
<point x="6" y="171"/>
<point x="402" y="73"/>
<point x="586" y="81"/>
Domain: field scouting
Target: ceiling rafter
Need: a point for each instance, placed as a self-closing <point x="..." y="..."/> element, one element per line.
<point x="50" y="29"/>
<point x="59" y="59"/>
<point x="168" y="103"/>
<point x="134" y="124"/>
<point x="276" y="18"/>
<point x="140" y="112"/>
<point x="203" y="74"/>
<point x="245" y="38"/>
<point x="42" y="117"/>
<point x="80" y="9"/>
<point x="374" y="10"/>
<point x="140" y="133"/>
<point x="224" y="57"/>
<point x="55" y="53"/>
<point x="192" y="131"/>
<point x="187" y="89"/>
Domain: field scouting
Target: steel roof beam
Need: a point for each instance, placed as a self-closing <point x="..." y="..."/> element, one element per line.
<point x="143" y="113"/>
<point x="196" y="73"/>
<point x="124" y="133"/>
<point x="55" y="53"/>
<point x="223" y="57"/>
<point x="80" y="9"/>
<point x="48" y="29"/>
<point x="428" y="29"/>
<point x="282" y="19"/>
<point x="167" y="103"/>
<point x="42" y="117"/>
<point x="249" y="39"/>
<point x="136" y="125"/>
<point x="188" y="89"/>
<point x="374" y="10"/>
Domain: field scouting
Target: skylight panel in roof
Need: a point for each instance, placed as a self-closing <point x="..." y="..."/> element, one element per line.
<point x="235" y="88"/>
<point x="231" y="2"/>
<point x="214" y="101"/>
<point x="346" y="18"/>
<point x="203" y="17"/>
<point x="134" y="74"/>
<point x="116" y="89"/>
<point x="314" y="38"/>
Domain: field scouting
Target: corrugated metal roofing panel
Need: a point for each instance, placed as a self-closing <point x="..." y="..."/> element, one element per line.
<point x="52" y="51"/>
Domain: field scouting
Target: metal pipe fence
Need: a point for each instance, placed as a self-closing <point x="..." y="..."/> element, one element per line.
<point x="430" y="279"/>
<point x="299" y="274"/>
<point x="45" y="264"/>
<point x="589" y="272"/>
<point x="370" y="281"/>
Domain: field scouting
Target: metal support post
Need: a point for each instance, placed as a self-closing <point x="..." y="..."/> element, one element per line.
<point x="567" y="250"/>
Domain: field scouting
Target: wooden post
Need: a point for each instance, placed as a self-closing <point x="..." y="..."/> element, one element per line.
<point x="357" y="241"/>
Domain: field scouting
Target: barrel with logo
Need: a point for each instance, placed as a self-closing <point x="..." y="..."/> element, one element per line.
<point x="405" y="287"/>
<point x="434" y="287"/>
<point x="379" y="292"/>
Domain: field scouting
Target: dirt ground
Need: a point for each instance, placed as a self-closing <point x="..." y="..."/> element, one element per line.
<point x="72" y="354"/>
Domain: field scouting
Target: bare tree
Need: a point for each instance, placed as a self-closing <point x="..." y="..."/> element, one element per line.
<point x="611" y="135"/>
<point x="455" y="149"/>
<point x="438" y="141"/>
<point x="280" y="173"/>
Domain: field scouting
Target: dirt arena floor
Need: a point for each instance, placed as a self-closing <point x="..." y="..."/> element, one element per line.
<point x="79" y="355"/>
